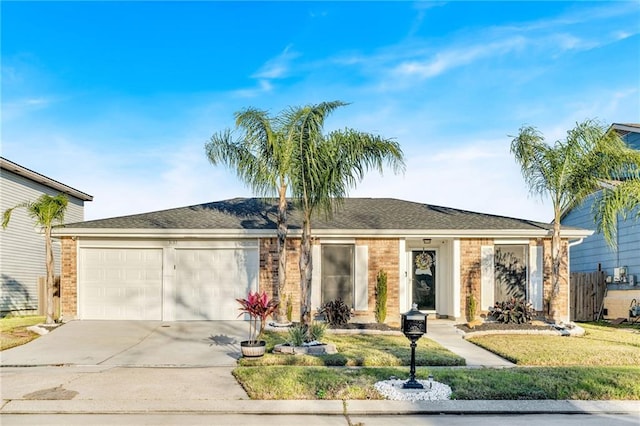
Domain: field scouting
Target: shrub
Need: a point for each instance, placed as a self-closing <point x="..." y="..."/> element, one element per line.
<point x="297" y="335"/>
<point x="300" y="333"/>
<point x="336" y="312"/>
<point x="289" y="307"/>
<point x="317" y="331"/>
<point x="381" y="296"/>
<point x="471" y="308"/>
<point x="514" y="311"/>
<point x="259" y="308"/>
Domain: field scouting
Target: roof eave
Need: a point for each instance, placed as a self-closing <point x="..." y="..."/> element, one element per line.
<point x="323" y="233"/>
<point x="42" y="179"/>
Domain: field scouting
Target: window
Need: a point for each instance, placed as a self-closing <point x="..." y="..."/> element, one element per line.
<point x="510" y="262"/>
<point x="337" y="273"/>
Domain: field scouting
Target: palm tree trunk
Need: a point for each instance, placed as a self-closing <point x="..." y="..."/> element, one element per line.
<point x="306" y="268"/>
<point x="50" y="271"/>
<point x="282" y="250"/>
<point x="555" y="269"/>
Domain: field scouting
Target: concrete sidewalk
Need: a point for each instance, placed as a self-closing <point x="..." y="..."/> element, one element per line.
<point x="445" y="333"/>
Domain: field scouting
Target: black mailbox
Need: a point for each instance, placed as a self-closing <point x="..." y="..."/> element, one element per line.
<point x="413" y="325"/>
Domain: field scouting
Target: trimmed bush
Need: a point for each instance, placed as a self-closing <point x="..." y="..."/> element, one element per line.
<point x="381" y="296"/>
<point x="336" y="312"/>
<point x="514" y="311"/>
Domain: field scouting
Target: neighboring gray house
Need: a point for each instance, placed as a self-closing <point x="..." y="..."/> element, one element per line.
<point x="594" y="254"/>
<point x="22" y="253"/>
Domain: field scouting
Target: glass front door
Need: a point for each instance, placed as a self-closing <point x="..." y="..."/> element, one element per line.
<point x="423" y="285"/>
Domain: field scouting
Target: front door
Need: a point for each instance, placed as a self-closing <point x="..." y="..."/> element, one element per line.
<point x="423" y="282"/>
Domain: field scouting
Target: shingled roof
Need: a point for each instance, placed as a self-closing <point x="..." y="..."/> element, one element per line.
<point x="352" y="214"/>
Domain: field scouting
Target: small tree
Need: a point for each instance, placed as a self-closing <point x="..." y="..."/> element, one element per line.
<point x="381" y="296"/>
<point x="471" y="308"/>
<point x="45" y="211"/>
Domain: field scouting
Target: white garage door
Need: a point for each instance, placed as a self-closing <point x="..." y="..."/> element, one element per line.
<point x="120" y="283"/>
<point x="208" y="282"/>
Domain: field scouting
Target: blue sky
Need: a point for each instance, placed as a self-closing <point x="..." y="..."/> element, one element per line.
<point x="117" y="99"/>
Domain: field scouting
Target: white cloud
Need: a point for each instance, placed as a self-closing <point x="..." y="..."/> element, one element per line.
<point x="277" y="67"/>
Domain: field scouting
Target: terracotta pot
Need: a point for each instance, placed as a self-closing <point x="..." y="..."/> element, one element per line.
<point x="251" y="349"/>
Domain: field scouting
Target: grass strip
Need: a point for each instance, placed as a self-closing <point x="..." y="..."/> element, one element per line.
<point x="581" y="383"/>
<point x="13" y="330"/>
<point x="360" y="350"/>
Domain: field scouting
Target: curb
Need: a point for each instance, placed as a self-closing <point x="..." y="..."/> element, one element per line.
<point x="307" y="407"/>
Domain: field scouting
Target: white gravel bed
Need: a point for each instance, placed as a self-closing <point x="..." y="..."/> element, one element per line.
<point x="392" y="389"/>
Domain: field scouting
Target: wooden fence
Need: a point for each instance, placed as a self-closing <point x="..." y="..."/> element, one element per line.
<point x="587" y="294"/>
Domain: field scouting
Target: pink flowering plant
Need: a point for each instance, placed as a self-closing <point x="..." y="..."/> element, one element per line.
<point x="259" y="308"/>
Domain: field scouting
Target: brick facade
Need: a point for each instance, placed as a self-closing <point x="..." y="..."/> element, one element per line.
<point x="470" y="275"/>
<point x="471" y="272"/>
<point x="69" y="278"/>
<point x="562" y="299"/>
<point x="383" y="254"/>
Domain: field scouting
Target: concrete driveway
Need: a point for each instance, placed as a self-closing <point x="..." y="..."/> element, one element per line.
<point x="134" y="344"/>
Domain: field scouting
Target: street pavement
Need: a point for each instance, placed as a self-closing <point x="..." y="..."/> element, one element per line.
<point x="143" y="367"/>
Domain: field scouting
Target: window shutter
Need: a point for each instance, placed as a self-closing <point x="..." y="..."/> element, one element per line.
<point x="535" y="277"/>
<point x="316" y="277"/>
<point x="361" y="302"/>
<point x="487" y="277"/>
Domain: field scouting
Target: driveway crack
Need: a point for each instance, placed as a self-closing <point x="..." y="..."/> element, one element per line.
<point x="130" y="347"/>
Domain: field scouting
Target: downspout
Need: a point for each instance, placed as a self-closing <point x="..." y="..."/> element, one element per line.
<point x="576" y="243"/>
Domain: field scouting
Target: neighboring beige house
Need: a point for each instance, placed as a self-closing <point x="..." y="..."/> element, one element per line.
<point x="191" y="263"/>
<point x="22" y="255"/>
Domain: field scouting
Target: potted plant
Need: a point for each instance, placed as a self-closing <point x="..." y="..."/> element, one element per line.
<point x="259" y="308"/>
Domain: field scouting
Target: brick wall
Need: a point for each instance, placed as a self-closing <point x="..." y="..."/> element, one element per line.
<point x="383" y="254"/>
<point x="269" y="259"/>
<point x="471" y="272"/>
<point x="562" y="299"/>
<point x="69" y="278"/>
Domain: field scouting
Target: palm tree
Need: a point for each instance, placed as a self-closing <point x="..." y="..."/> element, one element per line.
<point x="45" y="211"/>
<point x="262" y="159"/>
<point x="568" y="172"/>
<point x="618" y="198"/>
<point x="323" y="168"/>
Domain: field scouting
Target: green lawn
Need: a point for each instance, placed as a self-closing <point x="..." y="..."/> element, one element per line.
<point x="602" y="365"/>
<point x="13" y="330"/>
<point x="602" y="345"/>
<point x="360" y="350"/>
<point x="586" y="383"/>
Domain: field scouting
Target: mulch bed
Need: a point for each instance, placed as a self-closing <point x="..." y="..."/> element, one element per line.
<point x="366" y="326"/>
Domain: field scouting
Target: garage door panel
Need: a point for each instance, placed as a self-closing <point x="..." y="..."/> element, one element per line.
<point x="121" y="283"/>
<point x="209" y="280"/>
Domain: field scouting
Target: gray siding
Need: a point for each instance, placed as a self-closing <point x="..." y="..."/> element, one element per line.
<point x="594" y="251"/>
<point x="22" y="253"/>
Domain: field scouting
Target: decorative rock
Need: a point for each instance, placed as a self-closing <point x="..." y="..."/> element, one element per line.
<point x="392" y="389"/>
<point x="318" y="349"/>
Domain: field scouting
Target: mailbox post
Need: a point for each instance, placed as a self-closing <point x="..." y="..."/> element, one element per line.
<point x="413" y="325"/>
